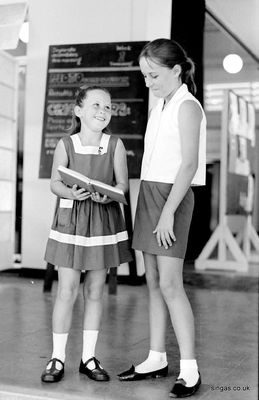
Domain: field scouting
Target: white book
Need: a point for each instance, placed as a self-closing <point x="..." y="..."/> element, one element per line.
<point x="71" y="177"/>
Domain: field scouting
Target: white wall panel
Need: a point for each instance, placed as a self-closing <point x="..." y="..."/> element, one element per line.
<point x="6" y="101"/>
<point x="6" y="198"/>
<point x="6" y="159"/>
<point x="8" y="138"/>
<point x="7" y="71"/>
<point x="7" y="133"/>
<point x="5" y="231"/>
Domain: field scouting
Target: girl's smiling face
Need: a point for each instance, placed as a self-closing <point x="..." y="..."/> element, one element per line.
<point x="95" y="112"/>
<point x="163" y="81"/>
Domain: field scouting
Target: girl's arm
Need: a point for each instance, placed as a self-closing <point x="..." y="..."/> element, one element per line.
<point x="56" y="184"/>
<point x="189" y="117"/>
<point x="120" y="167"/>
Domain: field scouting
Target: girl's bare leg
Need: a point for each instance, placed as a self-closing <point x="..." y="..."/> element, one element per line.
<point x="93" y="306"/>
<point x="171" y="284"/>
<point x="68" y="286"/>
<point x="157" y="319"/>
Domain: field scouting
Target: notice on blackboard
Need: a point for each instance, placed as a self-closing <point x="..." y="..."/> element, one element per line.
<point x="241" y="171"/>
<point x="110" y="65"/>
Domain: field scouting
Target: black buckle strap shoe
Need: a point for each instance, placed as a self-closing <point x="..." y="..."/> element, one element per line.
<point x="180" y="389"/>
<point x="132" y="375"/>
<point x="52" y="374"/>
<point x="97" y="374"/>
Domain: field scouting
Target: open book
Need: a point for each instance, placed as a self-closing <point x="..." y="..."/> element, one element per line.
<point x="71" y="177"/>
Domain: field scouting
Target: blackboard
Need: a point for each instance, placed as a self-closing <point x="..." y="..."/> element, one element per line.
<point x="111" y="65"/>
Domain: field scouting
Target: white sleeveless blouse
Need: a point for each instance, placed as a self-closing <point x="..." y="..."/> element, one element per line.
<point x="162" y="151"/>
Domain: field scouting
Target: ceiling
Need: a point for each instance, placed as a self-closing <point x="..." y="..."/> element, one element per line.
<point x="241" y="19"/>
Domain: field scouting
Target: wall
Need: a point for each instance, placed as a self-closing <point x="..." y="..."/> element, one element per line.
<point x="65" y="22"/>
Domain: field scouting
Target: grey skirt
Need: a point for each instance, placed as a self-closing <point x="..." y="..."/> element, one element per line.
<point x="151" y="200"/>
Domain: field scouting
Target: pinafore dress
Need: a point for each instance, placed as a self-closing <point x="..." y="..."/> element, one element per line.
<point x="86" y="235"/>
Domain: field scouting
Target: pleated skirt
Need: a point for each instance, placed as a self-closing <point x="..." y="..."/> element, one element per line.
<point x="151" y="200"/>
<point x="86" y="235"/>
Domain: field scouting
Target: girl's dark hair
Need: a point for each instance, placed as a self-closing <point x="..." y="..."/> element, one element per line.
<point x="80" y="96"/>
<point x="168" y="53"/>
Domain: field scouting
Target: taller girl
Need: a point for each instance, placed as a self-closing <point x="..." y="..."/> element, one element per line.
<point x="174" y="160"/>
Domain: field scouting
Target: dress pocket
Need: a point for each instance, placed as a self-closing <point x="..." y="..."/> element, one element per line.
<point x="64" y="212"/>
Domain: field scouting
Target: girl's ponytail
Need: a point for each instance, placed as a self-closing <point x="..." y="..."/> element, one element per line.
<point x="75" y="125"/>
<point x="187" y="75"/>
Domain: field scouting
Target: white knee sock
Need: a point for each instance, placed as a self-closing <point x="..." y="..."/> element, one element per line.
<point x="189" y="372"/>
<point x="155" y="360"/>
<point x="89" y="343"/>
<point x="59" y="347"/>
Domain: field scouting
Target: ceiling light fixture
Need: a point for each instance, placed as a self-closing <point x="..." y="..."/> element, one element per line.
<point x="24" y="32"/>
<point x="232" y="63"/>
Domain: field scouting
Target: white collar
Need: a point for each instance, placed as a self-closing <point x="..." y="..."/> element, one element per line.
<point x="80" y="149"/>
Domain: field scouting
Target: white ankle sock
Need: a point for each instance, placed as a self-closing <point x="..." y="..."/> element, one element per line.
<point x="89" y="343"/>
<point x="59" y="347"/>
<point x="154" y="361"/>
<point x="189" y="372"/>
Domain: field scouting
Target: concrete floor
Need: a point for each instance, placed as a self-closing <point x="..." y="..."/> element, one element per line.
<point x="227" y="343"/>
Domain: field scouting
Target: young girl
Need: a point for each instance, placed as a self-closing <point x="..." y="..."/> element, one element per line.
<point x="88" y="232"/>
<point x="174" y="159"/>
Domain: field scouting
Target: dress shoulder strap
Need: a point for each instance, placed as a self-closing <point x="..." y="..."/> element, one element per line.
<point x="67" y="143"/>
<point x="113" y="143"/>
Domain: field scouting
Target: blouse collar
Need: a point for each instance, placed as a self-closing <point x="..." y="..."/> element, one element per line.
<point x="180" y="92"/>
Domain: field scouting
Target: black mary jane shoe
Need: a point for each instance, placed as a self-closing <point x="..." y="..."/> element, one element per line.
<point x="97" y="374"/>
<point x="52" y="374"/>
<point x="132" y="375"/>
<point x="180" y="389"/>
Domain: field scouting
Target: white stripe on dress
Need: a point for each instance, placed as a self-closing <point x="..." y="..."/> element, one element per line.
<point x="88" y="241"/>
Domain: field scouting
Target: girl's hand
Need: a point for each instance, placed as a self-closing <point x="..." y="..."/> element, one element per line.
<point x="164" y="230"/>
<point x="79" y="194"/>
<point x="98" y="198"/>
